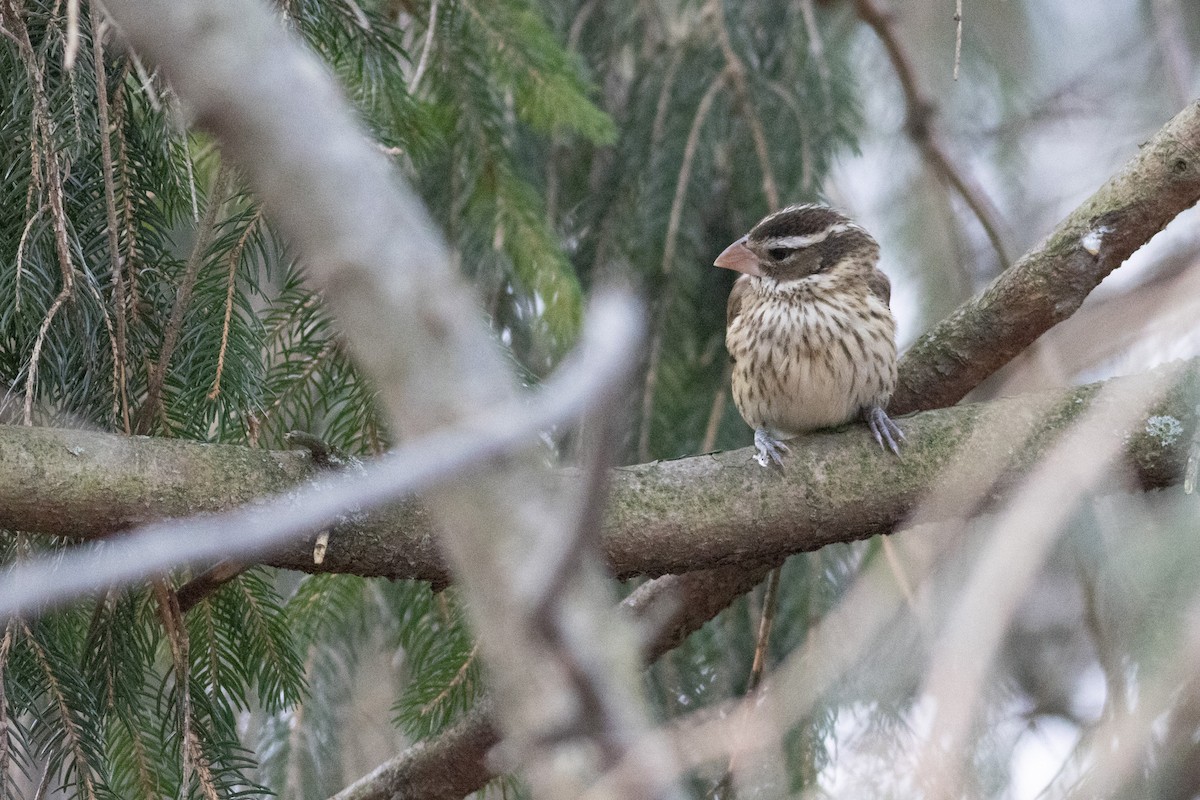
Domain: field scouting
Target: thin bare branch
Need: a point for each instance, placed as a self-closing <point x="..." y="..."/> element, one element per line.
<point x="426" y="48"/>
<point x="110" y="207"/>
<point x="35" y="356"/>
<point x="71" y="50"/>
<point x="716" y="411"/>
<point x="668" y="260"/>
<point x="235" y="258"/>
<point x="958" y="31"/>
<point x="921" y="110"/>
<point x="745" y="104"/>
<point x="5" y="724"/>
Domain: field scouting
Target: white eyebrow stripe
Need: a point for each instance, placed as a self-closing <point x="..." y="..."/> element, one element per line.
<point x="796" y="242"/>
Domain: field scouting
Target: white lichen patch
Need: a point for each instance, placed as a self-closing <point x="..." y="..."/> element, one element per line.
<point x="1165" y="430"/>
<point x="1093" y="239"/>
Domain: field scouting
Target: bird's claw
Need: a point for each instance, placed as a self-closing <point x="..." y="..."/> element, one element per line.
<point x="885" y="431"/>
<point x="770" y="449"/>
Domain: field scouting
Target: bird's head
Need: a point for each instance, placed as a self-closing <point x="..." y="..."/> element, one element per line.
<point x="799" y="241"/>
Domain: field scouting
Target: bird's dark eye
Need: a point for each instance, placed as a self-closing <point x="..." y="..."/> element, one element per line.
<point x="780" y="253"/>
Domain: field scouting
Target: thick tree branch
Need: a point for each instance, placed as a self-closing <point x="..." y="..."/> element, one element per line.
<point x="664" y="517"/>
<point x="589" y="379"/>
<point x="1048" y="284"/>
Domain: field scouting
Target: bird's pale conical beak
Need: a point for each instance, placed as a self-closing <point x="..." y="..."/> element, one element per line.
<point x="740" y="258"/>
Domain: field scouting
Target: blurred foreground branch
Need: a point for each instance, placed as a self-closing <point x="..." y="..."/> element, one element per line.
<point x="373" y="253"/>
<point x="1006" y="440"/>
<point x="586" y="380"/>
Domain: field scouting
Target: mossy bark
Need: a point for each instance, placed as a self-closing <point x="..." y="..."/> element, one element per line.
<point x="676" y="516"/>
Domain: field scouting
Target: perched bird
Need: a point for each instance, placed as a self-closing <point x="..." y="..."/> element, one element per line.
<point x="809" y="330"/>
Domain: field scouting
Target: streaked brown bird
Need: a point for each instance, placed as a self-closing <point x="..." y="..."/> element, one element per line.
<point x="809" y="329"/>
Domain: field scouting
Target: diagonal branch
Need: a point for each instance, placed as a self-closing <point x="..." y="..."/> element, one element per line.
<point x="920" y="110"/>
<point x="1050" y="282"/>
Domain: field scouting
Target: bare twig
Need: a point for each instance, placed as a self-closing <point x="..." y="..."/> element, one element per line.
<point x="171" y="617"/>
<point x="5" y="741"/>
<point x="457" y="680"/>
<point x="71" y="50"/>
<point x="716" y="411"/>
<point x="29" y="223"/>
<point x="426" y="49"/>
<point x="203" y="585"/>
<point x="564" y="554"/>
<point x="737" y="73"/>
<point x="816" y="46"/>
<point x="110" y="208"/>
<point x="1107" y="656"/>
<point x="35" y="356"/>
<point x="770" y="605"/>
<point x="921" y="110"/>
<point x="958" y="30"/>
<point x="668" y="260"/>
<point x="235" y="257"/>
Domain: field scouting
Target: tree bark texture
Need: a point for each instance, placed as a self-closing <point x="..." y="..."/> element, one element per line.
<point x="1050" y="282"/>
<point x="664" y="517"/>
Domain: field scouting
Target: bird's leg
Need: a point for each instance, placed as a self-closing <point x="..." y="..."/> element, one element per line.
<point x="884" y="429"/>
<point x="769" y="448"/>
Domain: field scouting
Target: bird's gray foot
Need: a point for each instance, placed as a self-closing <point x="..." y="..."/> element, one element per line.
<point x="885" y="431"/>
<point x="769" y="448"/>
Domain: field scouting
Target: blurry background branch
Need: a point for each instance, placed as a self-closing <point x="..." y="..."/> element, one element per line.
<point x="920" y="125"/>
